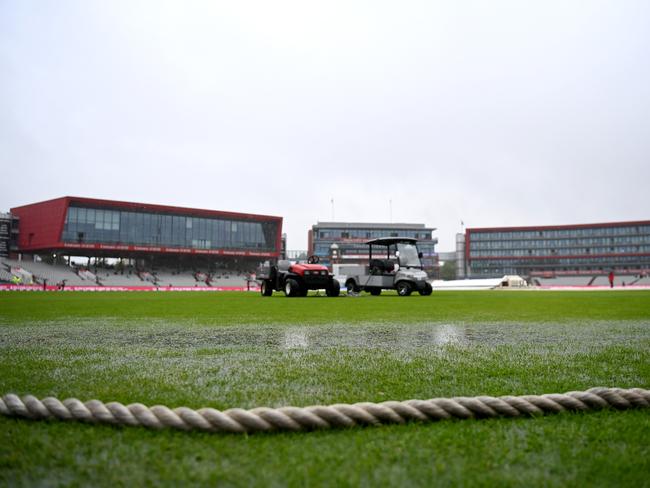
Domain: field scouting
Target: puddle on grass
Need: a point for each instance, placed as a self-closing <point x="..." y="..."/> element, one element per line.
<point x="413" y="336"/>
<point x="162" y="334"/>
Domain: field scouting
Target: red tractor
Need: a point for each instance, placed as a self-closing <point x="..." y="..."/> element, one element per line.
<point x="297" y="279"/>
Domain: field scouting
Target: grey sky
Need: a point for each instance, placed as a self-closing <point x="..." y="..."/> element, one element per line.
<point x="492" y="112"/>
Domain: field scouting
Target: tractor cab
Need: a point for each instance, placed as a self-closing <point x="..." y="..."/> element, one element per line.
<point x="296" y="279"/>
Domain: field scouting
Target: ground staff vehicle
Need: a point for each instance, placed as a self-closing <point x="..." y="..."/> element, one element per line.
<point x="297" y="279"/>
<point x="394" y="264"/>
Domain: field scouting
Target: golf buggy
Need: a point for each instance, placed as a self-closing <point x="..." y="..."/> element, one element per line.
<point x="394" y="264"/>
<point x="297" y="279"/>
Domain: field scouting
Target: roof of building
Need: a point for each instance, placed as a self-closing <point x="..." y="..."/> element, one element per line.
<point x="147" y="207"/>
<point x="387" y="241"/>
<point x="558" y="227"/>
<point x="370" y="225"/>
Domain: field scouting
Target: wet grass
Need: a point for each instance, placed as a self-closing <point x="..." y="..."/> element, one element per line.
<point x="226" y="350"/>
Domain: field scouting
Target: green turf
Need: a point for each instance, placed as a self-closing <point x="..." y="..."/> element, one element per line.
<point x="234" y="307"/>
<point x="233" y="349"/>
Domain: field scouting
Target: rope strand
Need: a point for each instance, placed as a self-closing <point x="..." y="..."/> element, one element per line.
<point x="263" y="419"/>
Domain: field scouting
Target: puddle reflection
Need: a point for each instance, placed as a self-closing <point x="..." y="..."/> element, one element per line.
<point x="380" y="336"/>
<point x="450" y="334"/>
<point x="297" y="337"/>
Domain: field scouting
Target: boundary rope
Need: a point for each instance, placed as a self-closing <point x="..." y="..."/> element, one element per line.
<point x="263" y="419"/>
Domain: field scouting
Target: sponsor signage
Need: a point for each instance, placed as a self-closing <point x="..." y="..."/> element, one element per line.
<point x="161" y="249"/>
<point x="126" y="288"/>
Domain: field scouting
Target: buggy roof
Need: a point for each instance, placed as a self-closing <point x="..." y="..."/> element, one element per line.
<point x="387" y="241"/>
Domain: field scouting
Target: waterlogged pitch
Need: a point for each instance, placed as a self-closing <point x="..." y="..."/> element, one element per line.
<point x="240" y="350"/>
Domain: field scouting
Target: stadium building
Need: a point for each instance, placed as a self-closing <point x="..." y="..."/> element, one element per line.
<point x="148" y="237"/>
<point x="344" y="243"/>
<point x="576" y="254"/>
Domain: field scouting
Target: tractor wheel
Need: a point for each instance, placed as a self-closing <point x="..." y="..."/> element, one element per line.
<point x="266" y="289"/>
<point x="334" y="289"/>
<point x="403" y="288"/>
<point x="427" y="290"/>
<point x="352" y="286"/>
<point x="291" y="288"/>
<point x="375" y="292"/>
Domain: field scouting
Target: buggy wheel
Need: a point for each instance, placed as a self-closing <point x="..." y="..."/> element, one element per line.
<point x="404" y="288"/>
<point x="352" y="286"/>
<point x="426" y="291"/>
<point x="291" y="288"/>
<point x="303" y="291"/>
<point x="266" y="289"/>
<point x="334" y="289"/>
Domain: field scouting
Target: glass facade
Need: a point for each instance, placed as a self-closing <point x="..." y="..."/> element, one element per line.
<point x="126" y="227"/>
<point x="581" y="250"/>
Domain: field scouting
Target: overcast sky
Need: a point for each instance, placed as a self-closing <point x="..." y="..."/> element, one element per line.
<point x="490" y="112"/>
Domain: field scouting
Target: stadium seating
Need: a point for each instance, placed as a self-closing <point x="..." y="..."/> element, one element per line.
<point x="87" y="275"/>
<point x="623" y="280"/>
<point x="5" y="276"/>
<point x="52" y="273"/>
<point x="565" y="281"/>
<point x="595" y="281"/>
<point x="167" y="278"/>
<point x="98" y="276"/>
<point x="645" y="281"/>
<point x="15" y="270"/>
<point x="110" y="278"/>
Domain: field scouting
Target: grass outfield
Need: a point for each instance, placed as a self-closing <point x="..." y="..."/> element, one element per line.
<point x="241" y="350"/>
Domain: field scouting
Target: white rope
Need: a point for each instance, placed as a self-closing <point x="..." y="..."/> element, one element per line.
<point x="264" y="419"/>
